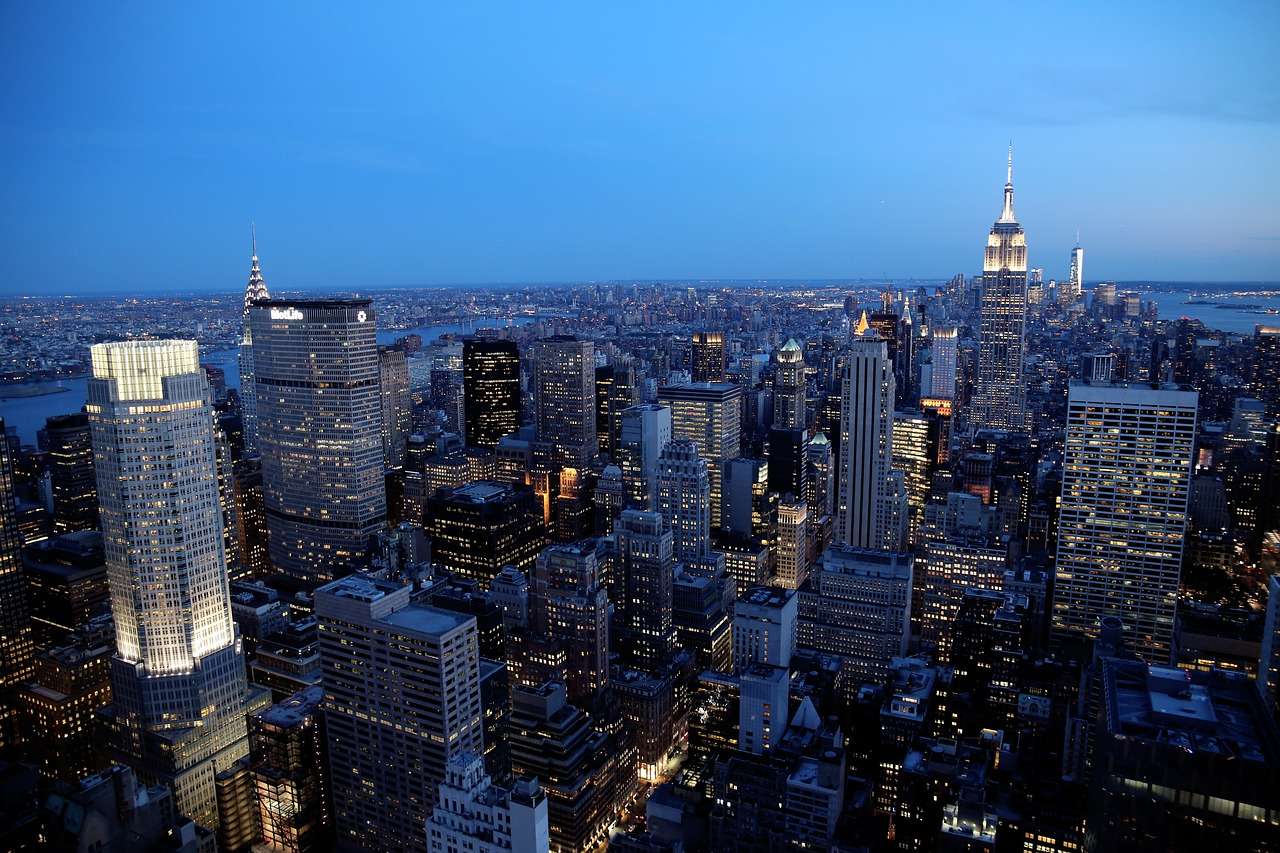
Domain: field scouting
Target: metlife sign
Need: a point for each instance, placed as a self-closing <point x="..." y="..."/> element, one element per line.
<point x="286" y="314"/>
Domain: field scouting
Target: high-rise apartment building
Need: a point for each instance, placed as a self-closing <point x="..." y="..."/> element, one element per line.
<point x="792" y="555"/>
<point x="684" y="499"/>
<point x="789" y="410"/>
<point x="74" y="485"/>
<point x="402" y="698"/>
<point x="319" y="432"/>
<point x="866" y="450"/>
<point x="1000" y="399"/>
<point x="178" y="677"/>
<point x="491" y="388"/>
<point x="708" y="357"/>
<point x="564" y="402"/>
<point x="254" y="291"/>
<point x="710" y="415"/>
<point x="397" y="411"/>
<point x="645" y="430"/>
<point x="1122" y="516"/>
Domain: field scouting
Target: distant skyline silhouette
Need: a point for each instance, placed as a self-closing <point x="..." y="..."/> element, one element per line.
<point x="407" y="145"/>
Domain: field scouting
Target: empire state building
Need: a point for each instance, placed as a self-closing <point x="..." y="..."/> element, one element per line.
<point x="1001" y="398"/>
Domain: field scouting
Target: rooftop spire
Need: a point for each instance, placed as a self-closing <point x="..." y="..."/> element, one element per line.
<point x="256" y="289"/>
<point x="1006" y="215"/>
<point x="863" y="325"/>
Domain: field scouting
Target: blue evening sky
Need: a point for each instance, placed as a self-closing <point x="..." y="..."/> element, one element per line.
<point x="386" y="144"/>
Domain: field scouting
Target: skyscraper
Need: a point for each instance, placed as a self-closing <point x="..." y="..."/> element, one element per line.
<point x="478" y="528"/>
<point x="564" y="402"/>
<point x="571" y="607"/>
<point x="1000" y="400"/>
<point x="254" y="291"/>
<point x="393" y="379"/>
<point x="491" y="388"/>
<point x="857" y="605"/>
<point x="16" y="646"/>
<point x="913" y="456"/>
<point x="793" y="543"/>
<point x="1070" y="291"/>
<point x="402" y="685"/>
<point x="942" y="382"/>
<point x="75" y="493"/>
<point x="684" y="499"/>
<point x="708" y="357"/>
<point x="178" y="677"/>
<point x="1122" y="517"/>
<point x="646" y="429"/>
<point x="319" y="432"/>
<point x="646" y="564"/>
<point x="866" y="450"/>
<point x="290" y="766"/>
<point x="789" y="387"/>
<point x="710" y="415"/>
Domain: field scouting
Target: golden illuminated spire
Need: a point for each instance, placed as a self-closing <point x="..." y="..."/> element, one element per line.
<point x="863" y="326"/>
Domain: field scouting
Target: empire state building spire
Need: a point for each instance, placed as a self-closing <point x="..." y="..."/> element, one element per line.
<point x="256" y="289"/>
<point x="1006" y="215"/>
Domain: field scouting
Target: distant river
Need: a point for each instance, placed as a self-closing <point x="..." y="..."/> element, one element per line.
<point x="1226" y="319"/>
<point x="28" y="414"/>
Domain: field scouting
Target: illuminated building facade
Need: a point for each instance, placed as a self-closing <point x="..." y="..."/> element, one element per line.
<point x="710" y="415"/>
<point x="479" y="528"/>
<point x="1071" y="290"/>
<point x="564" y="402"/>
<point x="857" y="606"/>
<point x="491" y="390"/>
<point x="912" y="456"/>
<point x="1123" y="512"/>
<point x="178" y="677"/>
<point x="400" y="673"/>
<point x="943" y="341"/>
<point x="1000" y="398"/>
<point x="645" y="430"/>
<point x="570" y="605"/>
<point x="319" y="432"/>
<point x="290" y="767"/>
<point x="646" y="566"/>
<point x="684" y="499"/>
<point x="792" y="555"/>
<point x="866" y="449"/>
<point x="789" y="387"/>
<point x="708" y="357"/>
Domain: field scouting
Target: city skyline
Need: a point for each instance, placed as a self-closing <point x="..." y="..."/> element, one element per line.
<point x="969" y="552"/>
<point x="632" y="148"/>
